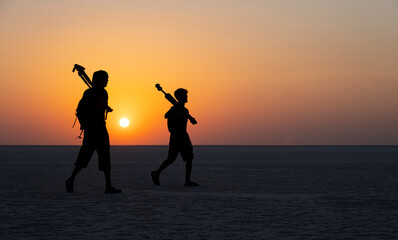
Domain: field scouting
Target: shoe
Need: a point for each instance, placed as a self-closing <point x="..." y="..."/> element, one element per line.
<point x="191" y="184"/>
<point x="112" y="190"/>
<point x="155" y="178"/>
<point x="69" y="186"/>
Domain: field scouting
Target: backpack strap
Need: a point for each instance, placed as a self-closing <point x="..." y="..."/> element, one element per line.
<point x="80" y="136"/>
<point x="74" y="122"/>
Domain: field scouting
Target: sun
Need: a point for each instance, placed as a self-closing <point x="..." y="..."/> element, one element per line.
<point x="124" y="122"/>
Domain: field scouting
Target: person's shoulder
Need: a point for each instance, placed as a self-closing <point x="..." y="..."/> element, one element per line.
<point x="96" y="91"/>
<point x="183" y="109"/>
<point x="171" y="111"/>
<point x="101" y="91"/>
<point x="88" y="92"/>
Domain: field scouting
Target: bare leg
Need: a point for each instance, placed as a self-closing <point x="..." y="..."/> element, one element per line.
<point x="84" y="156"/>
<point x="69" y="182"/>
<point x="163" y="166"/>
<point x="108" y="185"/>
<point x="188" y="170"/>
<point x="107" y="174"/>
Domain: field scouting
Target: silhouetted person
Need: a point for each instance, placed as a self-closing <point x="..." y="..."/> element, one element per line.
<point x="93" y="108"/>
<point x="177" y="118"/>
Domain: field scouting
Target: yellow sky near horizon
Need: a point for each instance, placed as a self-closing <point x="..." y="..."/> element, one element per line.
<point x="257" y="72"/>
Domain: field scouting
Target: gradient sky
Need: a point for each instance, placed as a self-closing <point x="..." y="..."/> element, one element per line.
<point x="258" y="72"/>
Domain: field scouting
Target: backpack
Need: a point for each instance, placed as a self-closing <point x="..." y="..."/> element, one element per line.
<point x="81" y="115"/>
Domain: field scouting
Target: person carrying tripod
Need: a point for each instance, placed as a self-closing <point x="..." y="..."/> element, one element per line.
<point x="180" y="143"/>
<point x="91" y="113"/>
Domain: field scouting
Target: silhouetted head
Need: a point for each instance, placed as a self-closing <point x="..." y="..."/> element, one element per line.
<point x="100" y="78"/>
<point x="181" y="95"/>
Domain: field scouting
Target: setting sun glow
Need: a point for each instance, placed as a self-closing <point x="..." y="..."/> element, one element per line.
<point x="257" y="72"/>
<point x="124" y="122"/>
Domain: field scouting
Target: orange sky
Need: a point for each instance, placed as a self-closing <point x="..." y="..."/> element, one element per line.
<point x="257" y="72"/>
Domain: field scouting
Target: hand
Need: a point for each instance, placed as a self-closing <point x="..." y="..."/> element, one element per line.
<point x="193" y="121"/>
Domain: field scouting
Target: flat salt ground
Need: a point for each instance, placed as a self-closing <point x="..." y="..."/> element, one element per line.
<point x="245" y="193"/>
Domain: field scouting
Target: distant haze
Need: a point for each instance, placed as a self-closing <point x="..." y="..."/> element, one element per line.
<point x="257" y="72"/>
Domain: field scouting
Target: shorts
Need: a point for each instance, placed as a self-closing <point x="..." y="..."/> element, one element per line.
<point x="180" y="143"/>
<point x="95" y="140"/>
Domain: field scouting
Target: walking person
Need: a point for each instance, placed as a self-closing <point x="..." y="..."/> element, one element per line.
<point x="91" y="112"/>
<point x="180" y="143"/>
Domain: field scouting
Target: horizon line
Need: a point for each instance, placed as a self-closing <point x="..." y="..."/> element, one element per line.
<point x="212" y="145"/>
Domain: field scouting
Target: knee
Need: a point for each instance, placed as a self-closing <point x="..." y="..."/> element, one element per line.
<point x="189" y="161"/>
<point x="169" y="160"/>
